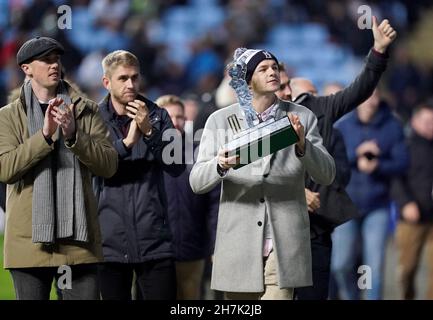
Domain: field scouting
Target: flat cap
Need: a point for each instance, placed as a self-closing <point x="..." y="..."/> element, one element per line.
<point x="37" y="48"/>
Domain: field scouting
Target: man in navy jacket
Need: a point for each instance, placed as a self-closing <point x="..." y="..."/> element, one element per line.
<point x="132" y="204"/>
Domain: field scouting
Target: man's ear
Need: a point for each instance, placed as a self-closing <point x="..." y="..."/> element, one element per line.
<point x="26" y="69"/>
<point x="106" y="82"/>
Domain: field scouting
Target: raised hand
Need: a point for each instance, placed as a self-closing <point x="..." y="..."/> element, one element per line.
<point x="299" y="129"/>
<point x="383" y="35"/>
<point x="226" y="162"/>
<point x="369" y="146"/>
<point x="367" y="166"/>
<point x="137" y="110"/>
<point x="313" y="200"/>
<point x="50" y="125"/>
<point x="133" y="135"/>
<point x="411" y="212"/>
<point x="64" y="117"/>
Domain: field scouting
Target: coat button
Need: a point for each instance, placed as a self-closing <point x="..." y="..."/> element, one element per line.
<point x="262" y="200"/>
<point x="259" y="223"/>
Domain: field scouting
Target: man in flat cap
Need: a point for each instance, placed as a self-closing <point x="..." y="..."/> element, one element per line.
<point x="51" y="142"/>
<point x="262" y="248"/>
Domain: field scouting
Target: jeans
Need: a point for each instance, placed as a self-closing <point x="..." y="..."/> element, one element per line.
<point x="321" y="247"/>
<point x="155" y="280"/>
<point x="36" y="283"/>
<point x="369" y="234"/>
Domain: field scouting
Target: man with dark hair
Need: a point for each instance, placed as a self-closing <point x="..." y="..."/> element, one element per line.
<point x="51" y="142"/>
<point x="330" y="205"/>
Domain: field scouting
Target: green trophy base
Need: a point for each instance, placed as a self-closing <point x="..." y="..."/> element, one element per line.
<point x="261" y="140"/>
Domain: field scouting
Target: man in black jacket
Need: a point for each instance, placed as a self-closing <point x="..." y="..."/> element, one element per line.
<point x="336" y="206"/>
<point x="413" y="193"/>
<point x="132" y="204"/>
<point x="192" y="217"/>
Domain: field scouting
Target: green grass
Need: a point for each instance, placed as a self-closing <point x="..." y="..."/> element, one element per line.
<point x="7" y="291"/>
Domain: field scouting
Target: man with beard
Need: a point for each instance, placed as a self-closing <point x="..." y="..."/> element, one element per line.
<point x="132" y="204"/>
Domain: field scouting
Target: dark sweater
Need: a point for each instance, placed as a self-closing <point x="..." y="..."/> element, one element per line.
<point x="417" y="184"/>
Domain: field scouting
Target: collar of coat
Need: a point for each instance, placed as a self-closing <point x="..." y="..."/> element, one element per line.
<point x="76" y="98"/>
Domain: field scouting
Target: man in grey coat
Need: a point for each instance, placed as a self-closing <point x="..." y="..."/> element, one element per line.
<point x="262" y="248"/>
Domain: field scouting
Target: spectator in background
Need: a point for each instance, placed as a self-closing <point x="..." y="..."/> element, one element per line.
<point x="192" y="109"/>
<point x="406" y="83"/>
<point x="192" y="218"/>
<point x="322" y="201"/>
<point x="133" y="204"/>
<point x="332" y="88"/>
<point x="377" y="153"/>
<point x="285" y="91"/>
<point x="301" y="86"/>
<point x="413" y="193"/>
<point x="328" y="206"/>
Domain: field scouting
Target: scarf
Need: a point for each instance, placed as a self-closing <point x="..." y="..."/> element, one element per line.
<point x="58" y="209"/>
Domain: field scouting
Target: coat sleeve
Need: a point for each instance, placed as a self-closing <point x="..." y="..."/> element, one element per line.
<point x="18" y="155"/>
<point x="339" y="153"/>
<point x="94" y="148"/>
<point x="204" y="175"/>
<point x="344" y="101"/>
<point x="317" y="161"/>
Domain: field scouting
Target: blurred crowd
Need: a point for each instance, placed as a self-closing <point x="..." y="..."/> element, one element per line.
<point x="183" y="45"/>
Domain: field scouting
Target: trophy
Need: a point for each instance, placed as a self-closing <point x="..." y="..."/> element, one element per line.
<point x="261" y="140"/>
<point x="257" y="141"/>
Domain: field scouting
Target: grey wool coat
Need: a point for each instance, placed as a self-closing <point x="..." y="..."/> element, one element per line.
<point x="272" y="185"/>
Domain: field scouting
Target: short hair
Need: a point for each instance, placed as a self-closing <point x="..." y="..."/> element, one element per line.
<point x="118" y="58"/>
<point x="169" y="99"/>
<point x="282" y="67"/>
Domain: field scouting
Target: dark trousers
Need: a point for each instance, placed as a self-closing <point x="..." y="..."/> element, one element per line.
<point x="155" y="280"/>
<point x="321" y="248"/>
<point x="36" y="283"/>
